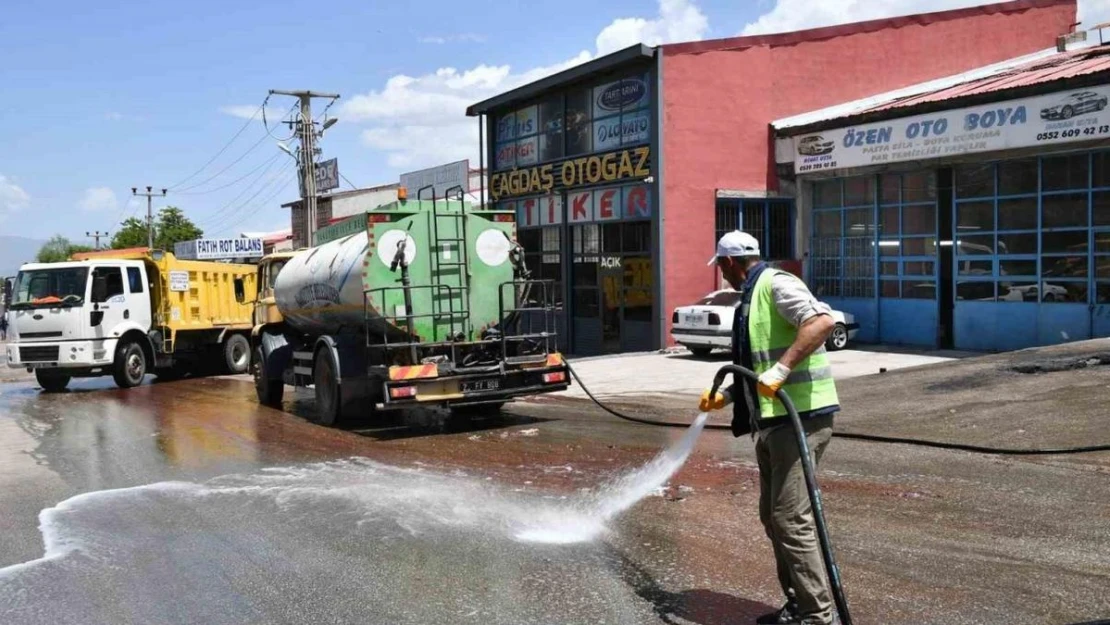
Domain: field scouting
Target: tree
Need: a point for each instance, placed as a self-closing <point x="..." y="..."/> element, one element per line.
<point x="132" y="233"/>
<point x="170" y="226"/>
<point x="59" y="249"/>
<point x="173" y="226"/>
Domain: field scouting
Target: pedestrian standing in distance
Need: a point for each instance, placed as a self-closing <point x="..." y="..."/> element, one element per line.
<point x="779" y="332"/>
<point x="4" y="326"/>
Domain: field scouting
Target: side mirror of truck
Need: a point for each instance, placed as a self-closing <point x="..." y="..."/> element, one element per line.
<point x="240" y="291"/>
<point x="100" y="289"/>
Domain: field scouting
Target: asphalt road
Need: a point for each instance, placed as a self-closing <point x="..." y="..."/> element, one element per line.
<point x="186" y="502"/>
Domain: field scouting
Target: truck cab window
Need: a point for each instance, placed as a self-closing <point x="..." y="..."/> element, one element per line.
<point x="113" y="276"/>
<point x="134" y="280"/>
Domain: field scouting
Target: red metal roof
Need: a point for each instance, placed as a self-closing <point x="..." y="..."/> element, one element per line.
<point x="1055" y="68"/>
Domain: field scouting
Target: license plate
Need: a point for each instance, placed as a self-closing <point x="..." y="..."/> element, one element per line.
<point x="478" y="386"/>
<point x="694" y="319"/>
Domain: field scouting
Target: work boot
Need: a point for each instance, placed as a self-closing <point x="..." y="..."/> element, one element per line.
<point x="786" y="615"/>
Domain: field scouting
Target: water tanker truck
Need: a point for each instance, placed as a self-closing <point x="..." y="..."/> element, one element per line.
<point x="416" y="303"/>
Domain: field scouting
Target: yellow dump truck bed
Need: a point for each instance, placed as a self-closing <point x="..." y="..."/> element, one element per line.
<point x="192" y="294"/>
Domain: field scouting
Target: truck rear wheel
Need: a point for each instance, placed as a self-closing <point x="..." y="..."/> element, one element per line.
<point x="329" y="402"/>
<point x="237" y="354"/>
<point x="129" y="367"/>
<point x="50" y="381"/>
<point x="269" y="391"/>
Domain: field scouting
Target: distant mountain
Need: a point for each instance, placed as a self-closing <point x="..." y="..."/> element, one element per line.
<point x="14" y="251"/>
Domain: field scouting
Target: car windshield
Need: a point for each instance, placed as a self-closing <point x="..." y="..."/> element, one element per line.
<point x="726" y="298"/>
<point x="50" y="287"/>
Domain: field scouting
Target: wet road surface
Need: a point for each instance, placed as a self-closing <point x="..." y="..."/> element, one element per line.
<point x="187" y="502"/>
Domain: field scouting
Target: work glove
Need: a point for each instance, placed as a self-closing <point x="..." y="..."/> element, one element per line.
<point x="771" y="380"/>
<point x="719" y="400"/>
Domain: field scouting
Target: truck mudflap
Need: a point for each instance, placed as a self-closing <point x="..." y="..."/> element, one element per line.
<point x="423" y="385"/>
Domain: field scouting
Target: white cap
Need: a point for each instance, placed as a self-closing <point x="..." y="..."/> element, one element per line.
<point x="736" y="243"/>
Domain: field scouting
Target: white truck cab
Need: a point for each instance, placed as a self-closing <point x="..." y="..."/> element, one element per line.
<point x="67" y="320"/>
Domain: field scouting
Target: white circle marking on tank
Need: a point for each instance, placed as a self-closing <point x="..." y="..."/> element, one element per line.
<point x="493" y="247"/>
<point x="387" y="246"/>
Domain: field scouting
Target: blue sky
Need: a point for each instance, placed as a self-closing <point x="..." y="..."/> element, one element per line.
<point x="100" y="97"/>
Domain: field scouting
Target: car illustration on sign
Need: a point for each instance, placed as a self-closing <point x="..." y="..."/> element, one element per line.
<point x="1073" y="104"/>
<point x="815" y="145"/>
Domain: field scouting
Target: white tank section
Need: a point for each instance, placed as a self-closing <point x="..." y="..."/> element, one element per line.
<point x="320" y="291"/>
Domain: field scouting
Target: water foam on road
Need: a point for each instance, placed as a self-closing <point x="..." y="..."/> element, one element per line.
<point x="398" y="503"/>
<point x="585" y="520"/>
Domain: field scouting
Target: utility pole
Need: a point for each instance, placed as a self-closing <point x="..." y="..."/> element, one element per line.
<point x="306" y="128"/>
<point x="149" y="215"/>
<point x="96" y="237"/>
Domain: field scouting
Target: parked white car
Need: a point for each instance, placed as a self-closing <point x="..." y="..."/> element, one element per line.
<point x="707" y="325"/>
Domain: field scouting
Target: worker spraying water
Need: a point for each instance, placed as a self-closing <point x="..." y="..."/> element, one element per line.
<point x="779" y="332"/>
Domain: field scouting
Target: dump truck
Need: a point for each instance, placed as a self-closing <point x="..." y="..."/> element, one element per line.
<point x="416" y="303"/>
<point x="127" y="313"/>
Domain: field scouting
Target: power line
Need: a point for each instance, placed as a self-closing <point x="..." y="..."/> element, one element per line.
<point x="233" y="163"/>
<point x="119" y="217"/>
<point x="251" y="149"/>
<point x="347" y="181"/>
<point x="225" y="147"/>
<point x="235" y="211"/>
<point x="214" y="216"/>
<point x="260" y="204"/>
<point x="265" y="163"/>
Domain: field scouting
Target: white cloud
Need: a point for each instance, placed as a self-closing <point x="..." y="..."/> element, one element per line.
<point x="679" y="20"/>
<point x="460" y="38"/>
<point x="247" y="111"/>
<point x="420" y="121"/>
<point x="789" y="15"/>
<point x="97" y="199"/>
<point x="113" y="116"/>
<point x="12" y="197"/>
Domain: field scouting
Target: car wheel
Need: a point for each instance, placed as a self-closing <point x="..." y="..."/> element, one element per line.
<point x="1050" y="297"/>
<point x="51" y="382"/>
<point x="1101" y="104"/>
<point x="1067" y="112"/>
<point x="838" y="338"/>
<point x="701" y="352"/>
<point x="129" y="368"/>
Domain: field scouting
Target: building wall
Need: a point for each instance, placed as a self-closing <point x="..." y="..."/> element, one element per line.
<point x="719" y="98"/>
<point x="360" y="203"/>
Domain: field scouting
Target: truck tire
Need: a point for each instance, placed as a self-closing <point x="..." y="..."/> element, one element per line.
<point x="51" y="382"/>
<point x="237" y="354"/>
<point x="129" y="366"/>
<point x="329" y="401"/>
<point x="269" y="391"/>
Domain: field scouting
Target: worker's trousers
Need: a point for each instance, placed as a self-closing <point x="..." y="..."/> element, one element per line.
<point x="787" y="516"/>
